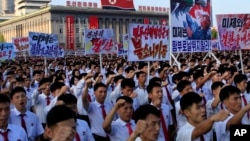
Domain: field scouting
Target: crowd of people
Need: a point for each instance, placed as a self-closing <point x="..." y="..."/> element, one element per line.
<point x="76" y="98"/>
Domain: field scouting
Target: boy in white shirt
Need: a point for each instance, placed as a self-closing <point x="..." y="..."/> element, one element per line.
<point x="148" y="124"/>
<point x="197" y="126"/>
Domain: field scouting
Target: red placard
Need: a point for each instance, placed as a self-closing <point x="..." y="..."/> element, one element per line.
<point x="70" y="32"/>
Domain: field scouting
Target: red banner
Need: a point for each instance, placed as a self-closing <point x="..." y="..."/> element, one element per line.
<point x="93" y="22"/>
<point x="146" y="20"/>
<point x="118" y="4"/>
<point x="70" y="32"/>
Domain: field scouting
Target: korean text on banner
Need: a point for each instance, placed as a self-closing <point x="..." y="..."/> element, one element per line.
<point x="70" y="28"/>
<point x="234" y="31"/>
<point x="148" y="42"/>
<point x="123" y="48"/>
<point x="99" y="41"/>
<point x="190" y="25"/>
<point x="6" y="51"/>
<point x="21" y="46"/>
<point x="46" y="45"/>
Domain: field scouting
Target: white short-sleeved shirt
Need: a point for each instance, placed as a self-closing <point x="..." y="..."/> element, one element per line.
<point x="29" y="92"/>
<point x="33" y="124"/>
<point x="165" y="98"/>
<point x="15" y="133"/>
<point x="175" y="95"/>
<point x="84" y="131"/>
<point x="39" y="101"/>
<point x="211" y="111"/>
<point x="96" y="119"/>
<point x="142" y="95"/>
<point x="167" y="118"/>
<point x="185" y="134"/>
<point x="222" y="133"/>
<point x="180" y="118"/>
<point x="119" y="130"/>
<point x="245" y="119"/>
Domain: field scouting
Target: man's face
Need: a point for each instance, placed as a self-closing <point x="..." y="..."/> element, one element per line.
<point x="233" y="103"/>
<point x="142" y="78"/>
<point x="4" y="113"/>
<point x="66" y="123"/>
<point x="100" y="94"/>
<point x="46" y="90"/>
<point x="125" y="112"/>
<point x="242" y="85"/>
<point x="216" y="77"/>
<point x="196" y="113"/>
<point x="153" y="130"/>
<point x="127" y="91"/>
<point x="187" y="89"/>
<point x="205" y="22"/>
<point x="19" y="100"/>
<point x="156" y="95"/>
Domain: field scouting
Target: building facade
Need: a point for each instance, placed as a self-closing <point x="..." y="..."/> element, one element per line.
<point x="52" y="19"/>
<point x="23" y="7"/>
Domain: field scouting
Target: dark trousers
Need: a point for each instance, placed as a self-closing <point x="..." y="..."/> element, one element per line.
<point x="100" y="138"/>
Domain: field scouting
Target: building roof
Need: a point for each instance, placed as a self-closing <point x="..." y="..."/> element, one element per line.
<point x="77" y="10"/>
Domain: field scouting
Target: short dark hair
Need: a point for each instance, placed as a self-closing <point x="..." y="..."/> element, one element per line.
<point x="118" y="77"/>
<point x="128" y="69"/>
<point x="56" y="85"/>
<point x="59" y="113"/>
<point x="139" y="73"/>
<point x="68" y="99"/>
<point x="20" y="79"/>
<point x="189" y="99"/>
<point x="97" y="85"/>
<point x="4" y="98"/>
<point x="176" y="77"/>
<point x="126" y="98"/>
<point x="216" y="85"/>
<point x="142" y="65"/>
<point x="143" y="111"/>
<point x="44" y="80"/>
<point x="198" y="74"/>
<point x="151" y="86"/>
<point x="59" y="78"/>
<point x="227" y="91"/>
<point x="239" y="78"/>
<point x="155" y="80"/>
<point x="17" y="90"/>
<point x="36" y="72"/>
<point x="182" y="84"/>
<point x="182" y="74"/>
<point x="127" y="82"/>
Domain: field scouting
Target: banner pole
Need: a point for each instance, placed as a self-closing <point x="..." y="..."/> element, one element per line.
<point x="148" y="69"/>
<point x="241" y="61"/>
<point x="100" y="61"/>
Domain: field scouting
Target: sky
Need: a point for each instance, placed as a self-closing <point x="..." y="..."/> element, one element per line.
<point x="218" y="6"/>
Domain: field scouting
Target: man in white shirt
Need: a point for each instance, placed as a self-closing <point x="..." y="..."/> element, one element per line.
<point x="120" y="129"/>
<point x="96" y="110"/>
<point x="197" y="126"/>
<point x="83" y="131"/>
<point x="42" y="98"/>
<point x="9" y="131"/>
<point x="240" y="81"/>
<point x="148" y="124"/>
<point x="214" y="105"/>
<point x="22" y="117"/>
<point x="61" y="124"/>
<point x="231" y="99"/>
<point x="155" y="96"/>
<point x="140" y="90"/>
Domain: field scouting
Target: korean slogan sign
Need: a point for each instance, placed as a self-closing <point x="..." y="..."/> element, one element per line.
<point x="234" y="31"/>
<point x="99" y="41"/>
<point x="42" y="44"/>
<point x="6" y="51"/>
<point x="21" y="46"/>
<point x="148" y="42"/>
<point x="190" y="25"/>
